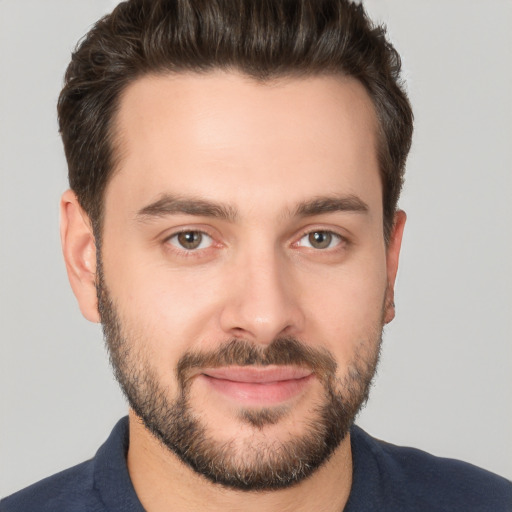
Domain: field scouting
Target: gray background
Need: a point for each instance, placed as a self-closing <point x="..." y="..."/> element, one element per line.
<point x="445" y="382"/>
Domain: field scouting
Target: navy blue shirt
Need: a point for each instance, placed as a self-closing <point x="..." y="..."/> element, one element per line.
<point x="386" y="478"/>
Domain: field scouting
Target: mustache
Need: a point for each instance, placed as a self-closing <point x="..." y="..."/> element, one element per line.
<point x="285" y="351"/>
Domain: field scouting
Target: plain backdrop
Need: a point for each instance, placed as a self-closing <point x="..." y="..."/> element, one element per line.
<point x="444" y="383"/>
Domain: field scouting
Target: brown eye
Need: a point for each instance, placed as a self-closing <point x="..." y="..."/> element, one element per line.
<point x="320" y="240"/>
<point x="191" y="240"/>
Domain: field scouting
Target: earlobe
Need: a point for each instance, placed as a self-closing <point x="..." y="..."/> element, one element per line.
<point x="392" y="257"/>
<point x="79" y="249"/>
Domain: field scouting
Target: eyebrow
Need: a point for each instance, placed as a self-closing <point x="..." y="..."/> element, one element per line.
<point x="319" y="205"/>
<point x="172" y="205"/>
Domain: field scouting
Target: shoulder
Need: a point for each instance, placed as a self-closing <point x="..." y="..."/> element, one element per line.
<point x="425" y="482"/>
<point x="100" y="484"/>
<point x="71" y="490"/>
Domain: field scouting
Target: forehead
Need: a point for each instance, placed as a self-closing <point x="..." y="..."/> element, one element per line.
<point x="224" y="136"/>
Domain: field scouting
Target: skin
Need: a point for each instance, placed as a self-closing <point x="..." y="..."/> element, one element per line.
<point x="260" y="151"/>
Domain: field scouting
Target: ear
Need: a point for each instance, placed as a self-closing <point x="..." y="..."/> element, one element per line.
<point x="79" y="248"/>
<point x="392" y="256"/>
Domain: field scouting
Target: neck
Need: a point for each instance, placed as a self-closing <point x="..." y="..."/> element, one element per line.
<point x="162" y="482"/>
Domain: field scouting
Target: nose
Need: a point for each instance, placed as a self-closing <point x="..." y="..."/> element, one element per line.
<point x="263" y="301"/>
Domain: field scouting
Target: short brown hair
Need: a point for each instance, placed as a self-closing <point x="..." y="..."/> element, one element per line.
<point x="264" y="39"/>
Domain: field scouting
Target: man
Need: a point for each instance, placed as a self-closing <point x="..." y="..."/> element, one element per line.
<point x="235" y="170"/>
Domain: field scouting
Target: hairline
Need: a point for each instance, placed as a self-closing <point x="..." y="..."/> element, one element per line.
<point x="115" y="140"/>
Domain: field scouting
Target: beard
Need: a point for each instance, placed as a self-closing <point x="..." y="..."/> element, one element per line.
<point x="261" y="463"/>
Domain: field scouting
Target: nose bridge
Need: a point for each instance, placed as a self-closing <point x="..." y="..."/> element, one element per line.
<point x="263" y="303"/>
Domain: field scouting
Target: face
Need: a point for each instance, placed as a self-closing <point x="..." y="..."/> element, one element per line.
<point x="244" y="279"/>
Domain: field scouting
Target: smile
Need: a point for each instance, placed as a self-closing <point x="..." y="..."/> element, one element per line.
<point x="258" y="386"/>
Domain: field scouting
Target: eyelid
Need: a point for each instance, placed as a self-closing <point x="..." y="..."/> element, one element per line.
<point x="182" y="251"/>
<point x="187" y="228"/>
<point x="342" y="239"/>
<point x="203" y="236"/>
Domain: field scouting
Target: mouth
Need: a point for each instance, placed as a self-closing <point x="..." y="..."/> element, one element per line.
<point x="258" y="386"/>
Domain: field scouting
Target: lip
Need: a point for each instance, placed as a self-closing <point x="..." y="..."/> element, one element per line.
<point x="258" y="386"/>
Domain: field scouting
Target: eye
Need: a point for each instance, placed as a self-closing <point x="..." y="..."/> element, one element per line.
<point x="320" y="240"/>
<point x="191" y="240"/>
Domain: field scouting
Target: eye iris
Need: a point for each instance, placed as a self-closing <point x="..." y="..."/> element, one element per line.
<point x="190" y="239"/>
<point x="320" y="239"/>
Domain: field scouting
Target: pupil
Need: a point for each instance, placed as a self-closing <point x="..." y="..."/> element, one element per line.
<point x="320" y="239"/>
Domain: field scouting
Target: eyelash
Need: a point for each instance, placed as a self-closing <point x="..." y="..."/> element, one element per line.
<point x="342" y="241"/>
<point x="189" y="252"/>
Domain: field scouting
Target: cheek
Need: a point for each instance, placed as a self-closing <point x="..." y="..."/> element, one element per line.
<point x="173" y="310"/>
<point x="169" y="310"/>
<point x="347" y="310"/>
